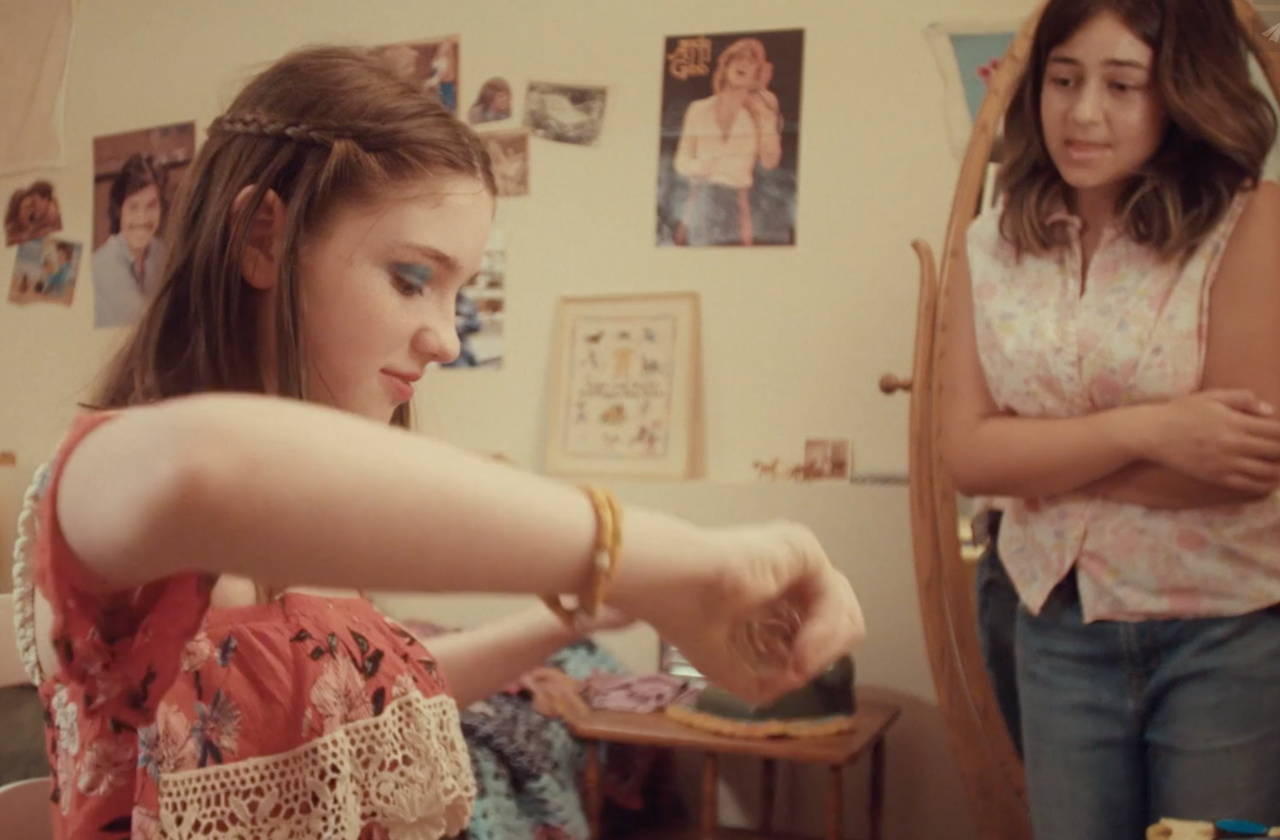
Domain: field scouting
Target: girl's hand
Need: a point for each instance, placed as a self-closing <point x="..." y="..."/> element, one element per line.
<point x="770" y="614"/>
<point x="1229" y="438"/>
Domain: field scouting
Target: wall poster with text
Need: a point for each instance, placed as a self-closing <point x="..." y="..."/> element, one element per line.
<point x="729" y="142"/>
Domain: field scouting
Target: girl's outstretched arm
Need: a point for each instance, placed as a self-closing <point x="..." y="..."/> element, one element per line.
<point x="286" y="492"/>
<point x="291" y="493"/>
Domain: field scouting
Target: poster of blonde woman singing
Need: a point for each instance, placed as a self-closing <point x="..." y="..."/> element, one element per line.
<point x="728" y="152"/>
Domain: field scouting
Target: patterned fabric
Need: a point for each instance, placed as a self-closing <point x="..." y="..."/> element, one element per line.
<point x="643" y="693"/>
<point x="298" y="718"/>
<point x="527" y="766"/>
<point x="1136" y="334"/>
<point x="526" y="772"/>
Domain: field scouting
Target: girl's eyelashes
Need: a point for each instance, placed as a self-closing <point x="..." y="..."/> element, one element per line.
<point x="411" y="278"/>
<point x="1127" y="87"/>
<point x="1117" y="86"/>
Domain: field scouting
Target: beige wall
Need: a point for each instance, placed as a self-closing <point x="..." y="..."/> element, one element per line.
<point x="794" y="339"/>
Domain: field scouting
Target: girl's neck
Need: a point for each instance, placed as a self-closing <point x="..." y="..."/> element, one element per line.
<point x="1096" y="207"/>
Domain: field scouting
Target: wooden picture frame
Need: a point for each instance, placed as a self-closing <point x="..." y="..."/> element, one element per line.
<point x="625" y="387"/>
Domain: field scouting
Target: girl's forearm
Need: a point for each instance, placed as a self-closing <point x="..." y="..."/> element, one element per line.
<point x="1155" y="486"/>
<point x="483" y="660"/>
<point x="1037" y="457"/>
<point x="289" y="493"/>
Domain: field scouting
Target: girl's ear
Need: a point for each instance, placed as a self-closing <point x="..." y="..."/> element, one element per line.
<point x="264" y="247"/>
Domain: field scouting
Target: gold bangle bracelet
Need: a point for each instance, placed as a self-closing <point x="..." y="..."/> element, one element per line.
<point x="604" y="561"/>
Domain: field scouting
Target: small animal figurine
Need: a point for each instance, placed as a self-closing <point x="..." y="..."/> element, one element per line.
<point x="766" y="469"/>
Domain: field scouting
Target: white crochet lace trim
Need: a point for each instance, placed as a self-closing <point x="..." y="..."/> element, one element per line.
<point x="406" y="769"/>
<point x="24" y="590"/>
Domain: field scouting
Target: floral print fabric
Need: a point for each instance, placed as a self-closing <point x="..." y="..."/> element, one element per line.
<point x="1135" y="333"/>
<point x="153" y="682"/>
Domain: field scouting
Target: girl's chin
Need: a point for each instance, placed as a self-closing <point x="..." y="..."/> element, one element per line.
<point x="1081" y="178"/>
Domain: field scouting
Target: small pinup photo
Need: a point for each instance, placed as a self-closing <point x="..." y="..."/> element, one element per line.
<point x="136" y="177"/>
<point x="480" y="309"/>
<point x="509" y="154"/>
<point x="45" y="272"/>
<point x="565" y="113"/>
<point x="827" y="458"/>
<point x="32" y="213"/>
<point x="432" y="64"/>
<point x="493" y="103"/>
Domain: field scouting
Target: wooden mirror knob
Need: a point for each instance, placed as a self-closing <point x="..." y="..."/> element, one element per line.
<point x="889" y="384"/>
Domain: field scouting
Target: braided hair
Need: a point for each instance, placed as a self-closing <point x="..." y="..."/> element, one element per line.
<point x="262" y="125"/>
<point x="319" y="128"/>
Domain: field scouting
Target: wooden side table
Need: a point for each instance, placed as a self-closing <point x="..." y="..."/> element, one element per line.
<point x="834" y="751"/>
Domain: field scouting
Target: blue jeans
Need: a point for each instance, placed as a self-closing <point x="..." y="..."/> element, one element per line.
<point x="1127" y="722"/>
<point x="997" y="605"/>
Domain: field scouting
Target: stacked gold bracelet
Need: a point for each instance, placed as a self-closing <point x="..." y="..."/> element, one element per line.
<point x="604" y="561"/>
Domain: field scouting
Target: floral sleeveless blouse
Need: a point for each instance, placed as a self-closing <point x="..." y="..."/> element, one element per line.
<point x="1137" y="333"/>
<point x="304" y="717"/>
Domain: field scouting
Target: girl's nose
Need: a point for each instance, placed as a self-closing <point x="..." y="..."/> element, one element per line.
<point x="437" y="340"/>
<point x="1087" y="107"/>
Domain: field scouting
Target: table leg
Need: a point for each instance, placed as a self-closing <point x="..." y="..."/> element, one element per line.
<point x="877" y="788"/>
<point x="769" y="773"/>
<point x="709" y="818"/>
<point x="835" y="800"/>
<point x="591" y="783"/>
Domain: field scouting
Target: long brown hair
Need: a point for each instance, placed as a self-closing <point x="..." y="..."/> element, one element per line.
<point x="320" y="127"/>
<point x="1220" y="129"/>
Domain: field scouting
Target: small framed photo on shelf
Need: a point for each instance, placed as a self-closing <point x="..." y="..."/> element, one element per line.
<point x="625" y="387"/>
